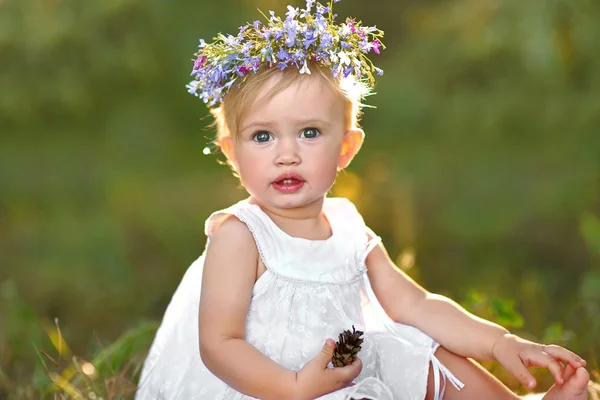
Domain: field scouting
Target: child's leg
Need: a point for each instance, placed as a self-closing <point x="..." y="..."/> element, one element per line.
<point x="479" y="383"/>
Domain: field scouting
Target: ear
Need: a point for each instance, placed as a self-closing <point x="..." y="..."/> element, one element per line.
<point x="351" y="144"/>
<point x="228" y="148"/>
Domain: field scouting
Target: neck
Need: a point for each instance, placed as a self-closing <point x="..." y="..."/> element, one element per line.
<point x="306" y="222"/>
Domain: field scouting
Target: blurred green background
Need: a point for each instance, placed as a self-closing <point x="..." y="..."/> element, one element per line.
<point x="481" y="167"/>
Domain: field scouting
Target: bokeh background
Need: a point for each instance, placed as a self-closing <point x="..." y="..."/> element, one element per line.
<point x="481" y="167"/>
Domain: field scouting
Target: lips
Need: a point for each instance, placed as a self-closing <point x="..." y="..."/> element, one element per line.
<point x="288" y="182"/>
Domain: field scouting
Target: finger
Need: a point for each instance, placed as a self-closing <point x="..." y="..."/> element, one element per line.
<point x="326" y="353"/>
<point x="545" y="360"/>
<point x="569" y="372"/>
<point x="516" y="367"/>
<point x="560" y="353"/>
<point x="356" y="367"/>
<point x="349" y="372"/>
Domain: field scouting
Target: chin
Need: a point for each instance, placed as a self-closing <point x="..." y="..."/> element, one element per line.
<point x="300" y="201"/>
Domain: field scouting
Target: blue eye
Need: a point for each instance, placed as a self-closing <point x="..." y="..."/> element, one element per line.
<point x="262" y="137"/>
<point x="310" y="133"/>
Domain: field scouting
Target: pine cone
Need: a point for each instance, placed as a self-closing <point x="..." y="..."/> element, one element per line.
<point x="347" y="348"/>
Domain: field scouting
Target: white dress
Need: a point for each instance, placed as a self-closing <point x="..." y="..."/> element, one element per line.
<point x="312" y="290"/>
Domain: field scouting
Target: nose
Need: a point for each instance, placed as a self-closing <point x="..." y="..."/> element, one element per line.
<point x="287" y="152"/>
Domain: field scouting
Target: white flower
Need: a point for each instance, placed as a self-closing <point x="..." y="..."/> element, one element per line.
<point x="192" y="87"/>
<point x="333" y="57"/>
<point x="305" y="69"/>
<point x="344" y="59"/>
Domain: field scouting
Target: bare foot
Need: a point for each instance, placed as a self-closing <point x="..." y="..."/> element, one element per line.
<point x="574" y="388"/>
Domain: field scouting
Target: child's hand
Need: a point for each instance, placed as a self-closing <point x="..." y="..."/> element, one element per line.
<point x="315" y="379"/>
<point x="517" y="354"/>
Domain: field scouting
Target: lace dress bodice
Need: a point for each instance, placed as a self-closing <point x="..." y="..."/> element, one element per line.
<point x="311" y="290"/>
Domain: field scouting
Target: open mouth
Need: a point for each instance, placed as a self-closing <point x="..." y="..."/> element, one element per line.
<point x="288" y="183"/>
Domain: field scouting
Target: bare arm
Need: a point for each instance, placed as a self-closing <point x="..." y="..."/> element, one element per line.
<point x="227" y="282"/>
<point x="458" y="330"/>
<point x="441" y="318"/>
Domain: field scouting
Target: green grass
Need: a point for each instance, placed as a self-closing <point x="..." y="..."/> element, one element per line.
<point x="113" y="371"/>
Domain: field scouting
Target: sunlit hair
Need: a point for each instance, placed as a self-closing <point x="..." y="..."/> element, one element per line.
<point x="228" y="116"/>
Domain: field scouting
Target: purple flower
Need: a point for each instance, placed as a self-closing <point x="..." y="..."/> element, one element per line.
<point x="281" y="43"/>
<point x="282" y="55"/>
<point x="320" y="23"/>
<point x="351" y="23"/>
<point x="347" y="71"/>
<point x="267" y="52"/>
<point x="255" y="63"/>
<point x="199" y="62"/>
<point x="266" y="34"/>
<point x="335" y="70"/>
<point x="278" y="34"/>
<point x="231" y="40"/>
<point x="307" y="10"/>
<point x="246" y="49"/>
<point x="376" y="45"/>
<point x="364" y="46"/>
<point x="290" y="28"/>
<point x="243" y="70"/>
<point x="326" y="40"/>
<point x="309" y="39"/>
<point x="298" y="55"/>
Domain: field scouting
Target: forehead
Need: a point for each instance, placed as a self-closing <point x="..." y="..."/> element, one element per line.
<point x="302" y="97"/>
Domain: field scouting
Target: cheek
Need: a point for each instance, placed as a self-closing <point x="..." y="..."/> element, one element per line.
<point x="326" y="162"/>
<point x="250" y="164"/>
<point x="330" y="155"/>
<point x="247" y="156"/>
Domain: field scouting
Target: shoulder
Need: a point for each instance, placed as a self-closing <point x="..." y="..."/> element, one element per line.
<point x="228" y="215"/>
<point x="344" y="209"/>
<point x="230" y="230"/>
<point x="341" y="204"/>
<point x="231" y="252"/>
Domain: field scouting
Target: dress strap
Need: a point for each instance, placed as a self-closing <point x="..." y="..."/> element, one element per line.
<point x="355" y="232"/>
<point x="371" y="244"/>
<point x="261" y="230"/>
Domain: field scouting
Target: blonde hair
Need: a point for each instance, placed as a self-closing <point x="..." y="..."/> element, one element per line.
<point x="235" y="104"/>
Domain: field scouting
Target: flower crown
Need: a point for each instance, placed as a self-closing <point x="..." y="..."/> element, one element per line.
<point x="301" y="37"/>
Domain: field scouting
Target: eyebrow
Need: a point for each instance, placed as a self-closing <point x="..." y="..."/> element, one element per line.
<point x="301" y="122"/>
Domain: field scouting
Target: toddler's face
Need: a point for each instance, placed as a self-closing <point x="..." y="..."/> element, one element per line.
<point x="288" y="150"/>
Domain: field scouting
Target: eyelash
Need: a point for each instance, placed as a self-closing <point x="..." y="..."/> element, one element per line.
<point x="311" y="128"/>
<point x="255" y="136"/>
